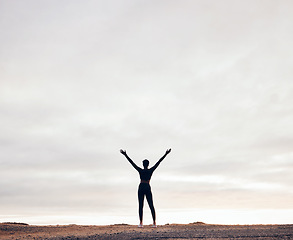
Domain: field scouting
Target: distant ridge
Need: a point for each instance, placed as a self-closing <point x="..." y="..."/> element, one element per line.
<point x="198" y="223"/>
<point x="15" y="223"/>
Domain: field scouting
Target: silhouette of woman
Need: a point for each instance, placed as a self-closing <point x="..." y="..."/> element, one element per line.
<point x="144" y="188"/>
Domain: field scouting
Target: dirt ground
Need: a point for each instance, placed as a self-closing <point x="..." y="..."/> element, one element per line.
<point x="123" y="231"/>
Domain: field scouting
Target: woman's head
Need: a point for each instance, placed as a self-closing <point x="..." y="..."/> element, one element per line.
<point x="145" y="163"/>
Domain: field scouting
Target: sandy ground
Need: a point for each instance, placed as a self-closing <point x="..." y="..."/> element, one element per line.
<point x="123" y="231"/>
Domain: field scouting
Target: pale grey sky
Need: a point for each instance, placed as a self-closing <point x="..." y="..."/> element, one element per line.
<point x="81" y="79"/>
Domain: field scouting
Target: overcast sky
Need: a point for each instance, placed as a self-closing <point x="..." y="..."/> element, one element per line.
<point x="210" y="79"/>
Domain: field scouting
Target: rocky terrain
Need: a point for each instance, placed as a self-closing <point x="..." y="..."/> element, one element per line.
<point x="124" y="231"/>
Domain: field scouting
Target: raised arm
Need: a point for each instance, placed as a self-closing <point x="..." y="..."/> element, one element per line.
<point x="129" y="160"/>
<point x="161" y="159"/>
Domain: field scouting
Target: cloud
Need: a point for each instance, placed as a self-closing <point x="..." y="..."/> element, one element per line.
<point x="210" y="80"/>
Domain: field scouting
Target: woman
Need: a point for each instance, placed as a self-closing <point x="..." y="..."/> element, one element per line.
<point x="144" y="188"/>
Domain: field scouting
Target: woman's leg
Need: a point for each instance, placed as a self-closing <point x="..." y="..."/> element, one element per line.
<point x="149" y="198"/>
<point x="140" y="205"/>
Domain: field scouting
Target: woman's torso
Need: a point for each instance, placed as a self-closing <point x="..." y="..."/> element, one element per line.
<point x="145" y="174"/>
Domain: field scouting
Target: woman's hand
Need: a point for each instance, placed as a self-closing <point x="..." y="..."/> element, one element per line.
<point x="123" y="152"/>
<point x="168" y="151"/>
